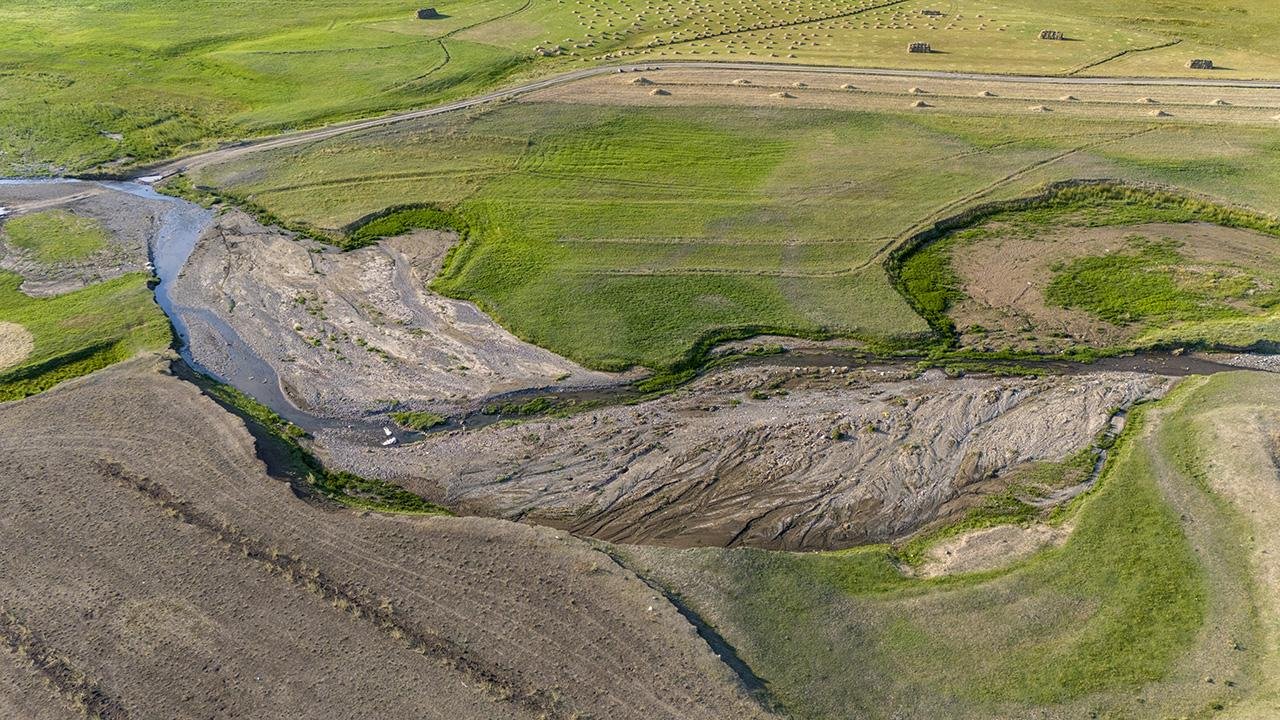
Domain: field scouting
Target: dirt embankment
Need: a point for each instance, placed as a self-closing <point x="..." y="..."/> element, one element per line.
<point x="130" y="222"/>
<point x="357" y="332"/>
<point x="765" y="457"/>
<point x="154" y="571"/>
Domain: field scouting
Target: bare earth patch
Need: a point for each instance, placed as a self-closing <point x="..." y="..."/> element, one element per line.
<point x="990" y="548"/>
<point x="1004" y="279"/>
<point x="16" y="344"/>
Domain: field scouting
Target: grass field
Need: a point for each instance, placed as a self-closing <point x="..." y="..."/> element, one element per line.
<point x="79" y="332"/>
<point x="1102" y="267"/>
<point x="1119" y="622"/>
<point x="54" y="236"/>
<point x="625" y="235"/>
<point x="86" y="85"/>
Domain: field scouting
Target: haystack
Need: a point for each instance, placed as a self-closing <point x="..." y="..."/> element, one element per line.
<point x="916" y="91"/>
<point x="986" y="93"/>
<point x="742" y="81"/>
<point x="847" y="86"/>
<point x="1069" y="98"/>
<point x="1159" y="113"/>
<point x="642" y="81"/>
<point x="1040" y="108"/>
<point x="1200" y="64"/>
<point x="1219" y="102"/>
<point x="919" y="47"/>
<point x="429" y="14"/>
<point x="1147" y="101"/>
<point x="659" y="91"/>
<point x="783" y="94"/>
<point x="920" y="104"/>
<point x="1051" y="35"/>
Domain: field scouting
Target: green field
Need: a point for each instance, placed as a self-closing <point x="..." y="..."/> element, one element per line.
<point x="54" y="236"/>
<point x="1147" y="599"/>
<point x="627" y="235"/>
<point x="128" y="81"/>
<point x="79" y="332"/>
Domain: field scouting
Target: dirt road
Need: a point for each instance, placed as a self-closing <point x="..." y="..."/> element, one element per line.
<point x="157" y="172"/>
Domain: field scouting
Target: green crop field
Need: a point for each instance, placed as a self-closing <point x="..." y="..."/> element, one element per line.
<point x="131" y="81"/>
<point x="1118" y="622"/>
<point x="79" y="332"/>
<point x="619" y="236"/>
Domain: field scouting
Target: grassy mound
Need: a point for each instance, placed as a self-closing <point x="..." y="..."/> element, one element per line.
<point x="1101" y="267"/>
<point x="55" y="236"/>
<point x="79" y="332"/>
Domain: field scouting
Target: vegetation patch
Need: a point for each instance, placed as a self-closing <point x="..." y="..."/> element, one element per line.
<point x="1097" y="268"/>
<point x="54" y="236"/>
<point x="306" y="470"/>
<point x="78" y="332"/>
<point x="419" y="420"/>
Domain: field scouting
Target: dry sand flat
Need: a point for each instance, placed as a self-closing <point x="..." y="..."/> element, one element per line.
<point x="129" y="220"/>
<point x="148" y="552"/>
<point x="350" y="332"/>
<point x="16" y="344"/>
<point x="765" y="457"/>
<point x="695" y="86"/>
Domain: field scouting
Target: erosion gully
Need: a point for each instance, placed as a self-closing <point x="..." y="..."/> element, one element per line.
<point x="183" y="223"/>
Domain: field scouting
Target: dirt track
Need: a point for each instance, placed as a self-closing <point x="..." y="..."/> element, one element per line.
<point x="764" y="457"/>
<point x="154" y="571"/>
<point x="357" y="332"/>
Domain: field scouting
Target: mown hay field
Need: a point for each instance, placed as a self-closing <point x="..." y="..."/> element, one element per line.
<point x="624" y="235"/>
<point x="127" y="82"/>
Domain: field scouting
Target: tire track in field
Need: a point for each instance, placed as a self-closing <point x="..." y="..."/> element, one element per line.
<point x="1122" y="53"/>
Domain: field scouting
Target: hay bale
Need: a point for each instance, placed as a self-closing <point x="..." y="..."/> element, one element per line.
<point x="742" y="81"/>
<point x="429" y="14"/>
<point x="986" y="93"/>
<point x="1159" y="113"/>
<point x="1200" y="64"/>
<point x="799" y="85"/>
<point x="659" y="91"/>
<point x="1219" y="102"/>
<point x="1148" y="101"/>
<point x="1040" y="108"/>
<point x="642" y="81"/>
<point x="919" y="47"/>
<point x="916" y="91"/>
<point x="1069" y="98"/>
<point x="783" y="94"/>
<point x="1051" y="35"/>
<point x="920" y="104"/>
<point x="847" y="86"/>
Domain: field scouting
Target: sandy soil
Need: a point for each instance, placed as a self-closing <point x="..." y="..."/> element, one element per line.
<point x="154" y="571"/>
<point x="16" y="344"/>
<point x="1004" y="279"/>
<point x="766" y="457"/>
<point x="130" y="222"/>
<point x="358" y="332"/>
<point x="990" y="548"/>
<point x="860" y="91"/>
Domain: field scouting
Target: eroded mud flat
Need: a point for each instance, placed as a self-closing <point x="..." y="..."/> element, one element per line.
<point x="354" y="333"/>
<point x="129" y="221"/>
<point x="176" y="579"/>
<point x="795" y="458"/>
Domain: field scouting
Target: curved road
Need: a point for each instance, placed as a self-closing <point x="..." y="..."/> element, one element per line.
<point x="155" y="173"/>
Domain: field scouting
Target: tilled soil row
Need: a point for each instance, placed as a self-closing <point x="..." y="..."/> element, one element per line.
<point x="77" y="688"/>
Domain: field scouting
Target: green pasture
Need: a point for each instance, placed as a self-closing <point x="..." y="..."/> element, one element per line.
<point x="79" y="332"/>
<point x="54" y="236"/>
<point x="622" y="236"/>
<point x="1147" y="599"/>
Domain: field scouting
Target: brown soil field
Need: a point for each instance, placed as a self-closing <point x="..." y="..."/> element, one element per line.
<point x="1004" y="279"/>
<point x="855" y="91"/>
<point x="16" y="344"/>
<point x="130" y="221"/>
<point x="772" y="457"/>
<point x="154" y="570"/>
<point x="355" y="332"/>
